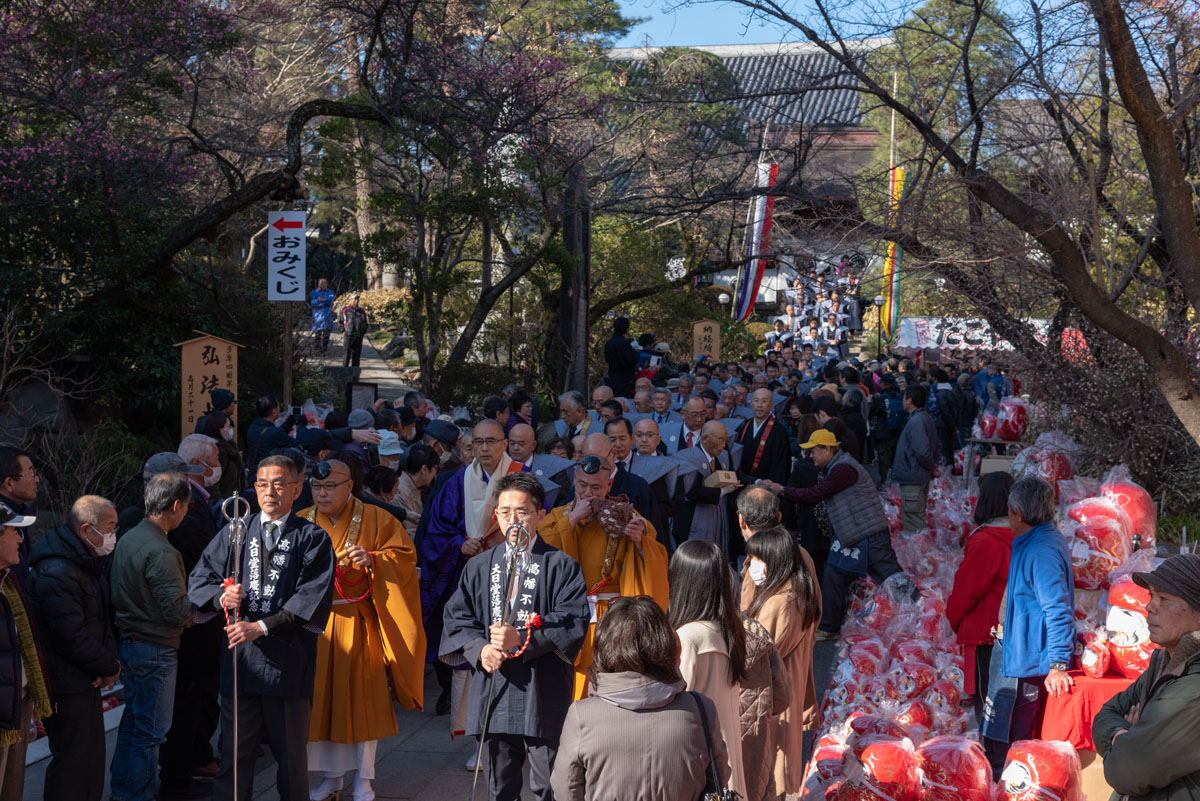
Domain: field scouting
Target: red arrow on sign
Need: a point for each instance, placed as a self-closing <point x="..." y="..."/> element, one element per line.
<point x="282" y="225"/>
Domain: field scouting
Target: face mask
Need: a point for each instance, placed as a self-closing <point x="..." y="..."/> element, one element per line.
<point x="214" y="478"/>
<point x="227" y="434"/>
<point x="107" y="544"/>
<point x="445" y="457"/>
<point x="758" y="572"/>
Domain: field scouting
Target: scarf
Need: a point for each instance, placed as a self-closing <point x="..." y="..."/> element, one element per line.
<point x="29" y="656"/>
<point x="479" y="501"/>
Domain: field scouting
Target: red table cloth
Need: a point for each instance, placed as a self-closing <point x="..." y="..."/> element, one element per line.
<point x="1069" y="717"/>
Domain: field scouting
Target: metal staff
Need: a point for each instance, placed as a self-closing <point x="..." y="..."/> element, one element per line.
<point x="521" y="543"/>
<point x="237" y="533"/>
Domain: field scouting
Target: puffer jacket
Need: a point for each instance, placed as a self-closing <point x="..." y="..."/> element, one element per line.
<point x="68" y="590"/>
<point x="1157" y="758"/>
<point x="766" y="691"/>
<point x="598" y="760"/>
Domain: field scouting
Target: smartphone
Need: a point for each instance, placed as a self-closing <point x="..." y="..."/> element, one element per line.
<point x="297" y="412"/>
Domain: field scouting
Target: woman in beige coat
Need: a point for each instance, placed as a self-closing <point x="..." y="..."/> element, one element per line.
<point x="786" y="600"/>
<point x="638" y="735"/>
<point x="712" y="639"/>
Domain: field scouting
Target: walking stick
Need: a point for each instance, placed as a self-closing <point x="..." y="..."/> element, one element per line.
<point x="522" y="542"/>
<point x="237" y="533"/>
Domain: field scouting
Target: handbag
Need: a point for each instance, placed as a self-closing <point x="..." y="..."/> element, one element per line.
<point x="713" y="791"/>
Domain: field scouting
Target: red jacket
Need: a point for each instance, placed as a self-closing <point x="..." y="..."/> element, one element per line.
<point x="979" y="585"/>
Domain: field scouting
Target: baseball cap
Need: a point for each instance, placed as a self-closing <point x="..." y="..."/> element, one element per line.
<point x="360" y="419"/>
<point x="389" y="443"/>
<point x="168" y="462"/>
<point x="314" y="440"/>
<point x="821" y="436"/>
<point x="10" y="518"/>
<point x="1179" y="575"/>
<point x="662" y="347"/>
<point x="407" y="415"/>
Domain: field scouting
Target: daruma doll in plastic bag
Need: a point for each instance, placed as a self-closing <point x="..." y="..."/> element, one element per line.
<point x="1128" y="635"/>
<point x="1098" y="549"/>
<point x="988" y="424"/>
<point x="880" y="768"/>
<point x="1135" y="501"/>
<point x="1013" y="419"/>
<point x="954" y="769"/>
<point x="1041" y="770"/>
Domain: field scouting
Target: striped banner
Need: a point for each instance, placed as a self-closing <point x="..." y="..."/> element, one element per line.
<point x="758" y="241"/>
<point x="890" y="312"/>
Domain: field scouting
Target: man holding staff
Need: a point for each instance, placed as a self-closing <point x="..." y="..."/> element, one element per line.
<point x="274" y="618"/>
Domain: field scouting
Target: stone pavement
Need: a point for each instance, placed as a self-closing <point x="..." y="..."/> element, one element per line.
<point x="373" y="369"/>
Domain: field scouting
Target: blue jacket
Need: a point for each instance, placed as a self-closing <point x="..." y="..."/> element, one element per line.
<point x="1039" y="621"/>
<point x="981" y="382"/>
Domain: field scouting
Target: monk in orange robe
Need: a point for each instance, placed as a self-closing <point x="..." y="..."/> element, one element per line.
<point x="640" y="565"/>
<point x="374" y="633"/>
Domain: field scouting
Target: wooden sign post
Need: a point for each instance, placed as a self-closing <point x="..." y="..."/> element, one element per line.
<point x="706" y="339"/>
<point x="208" y="363"/>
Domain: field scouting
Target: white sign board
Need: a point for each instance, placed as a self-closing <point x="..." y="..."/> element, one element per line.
<point x="957" y="333"/>
<point x="285" y="255"/>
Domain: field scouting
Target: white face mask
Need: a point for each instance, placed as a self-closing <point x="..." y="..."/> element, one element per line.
<point x="757" y="572"/>
<point x="107" y="544"/>
<point x="214" y="478"/>
<point x="227" y="434"/>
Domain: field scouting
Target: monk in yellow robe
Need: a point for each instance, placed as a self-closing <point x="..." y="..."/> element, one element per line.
<point x="374" y="633"/>
<point x="640" y="566"/>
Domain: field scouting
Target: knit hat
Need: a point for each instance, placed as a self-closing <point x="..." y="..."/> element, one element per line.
<point x="360" y="419"/>
<point x="222" y="399"/>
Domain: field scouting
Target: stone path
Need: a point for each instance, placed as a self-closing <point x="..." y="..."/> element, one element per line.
<point x="373" y="368"/>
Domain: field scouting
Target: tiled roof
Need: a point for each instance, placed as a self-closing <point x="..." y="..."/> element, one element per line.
<point x="782" y="83"/>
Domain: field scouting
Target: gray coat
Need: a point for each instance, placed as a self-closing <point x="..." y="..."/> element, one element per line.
<point x="667" y="760"/>
<point x="917" y="450"/>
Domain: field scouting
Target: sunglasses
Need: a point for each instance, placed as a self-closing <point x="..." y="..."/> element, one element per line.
<point x="592" y="465"/>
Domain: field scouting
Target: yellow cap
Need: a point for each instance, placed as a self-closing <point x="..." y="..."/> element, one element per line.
<point x="821" y="437"/>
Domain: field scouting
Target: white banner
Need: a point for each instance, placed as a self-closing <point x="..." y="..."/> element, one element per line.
<point x="286" y="250"/>
<point x="957" y="333"/>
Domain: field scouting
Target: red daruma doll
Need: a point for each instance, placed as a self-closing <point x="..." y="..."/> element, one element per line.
<point x="1128" y="634"/>
<point x="1041" y="770"/>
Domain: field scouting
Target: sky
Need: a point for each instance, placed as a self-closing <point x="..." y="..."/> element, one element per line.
<point x="709" y="23"/>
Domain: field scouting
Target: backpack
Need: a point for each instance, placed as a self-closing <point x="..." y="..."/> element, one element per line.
<point x="896" y="416"/>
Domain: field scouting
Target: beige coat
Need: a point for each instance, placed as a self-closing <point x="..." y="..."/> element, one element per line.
<point x="766" y="693"/>
<point x="704" y="663"/>
<point x="635" y="739"/>
<point x="780" y="615"/>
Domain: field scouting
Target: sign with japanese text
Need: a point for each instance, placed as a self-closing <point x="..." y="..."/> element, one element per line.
<point x="706" y="339"/>
<point x="208" y="363"/>
<point x="286" y="248"/>
<point x="957" y="333"/>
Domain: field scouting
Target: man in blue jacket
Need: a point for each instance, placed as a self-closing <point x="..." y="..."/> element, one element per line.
<point x="1039" y="620"/>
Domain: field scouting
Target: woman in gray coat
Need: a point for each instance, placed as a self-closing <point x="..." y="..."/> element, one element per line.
<point x="638" y="735"/>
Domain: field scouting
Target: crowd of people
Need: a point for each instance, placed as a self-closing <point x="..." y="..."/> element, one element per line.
<point x="622" y="597"/>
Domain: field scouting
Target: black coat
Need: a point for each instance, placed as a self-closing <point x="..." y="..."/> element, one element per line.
<point x="622" y="364"/>
<point x="10" y="660"/>
<point x="68" y="591"/>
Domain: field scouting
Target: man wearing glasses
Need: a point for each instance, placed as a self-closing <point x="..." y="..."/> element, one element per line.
<point x="374" y="633"/>
<point x="275" y="615"/>
<point x="461" y="523"/>
<point x="638" y="566"/>
<point x="528" y="662"/>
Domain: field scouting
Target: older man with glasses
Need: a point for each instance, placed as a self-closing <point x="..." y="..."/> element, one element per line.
<point x="374" y="633"/>
<point x="273" y="617"/>
<point x="638" y="566"/>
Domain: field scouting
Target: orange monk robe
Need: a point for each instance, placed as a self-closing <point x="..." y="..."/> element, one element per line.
<point x="366" y="642"/>
<point x="633" y="573"/>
